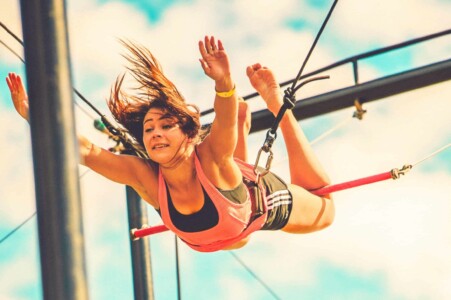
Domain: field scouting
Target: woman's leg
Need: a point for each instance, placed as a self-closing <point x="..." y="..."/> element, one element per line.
<point x="305" y="169"/>
<point x="309" y="212"/>
<point x="244" y="126"/>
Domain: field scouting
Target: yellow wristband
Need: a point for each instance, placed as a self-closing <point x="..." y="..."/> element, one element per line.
<point x="226" y="94"/>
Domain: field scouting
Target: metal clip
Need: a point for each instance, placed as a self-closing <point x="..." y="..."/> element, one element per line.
<point x="396" y="173"/>
<point x="267" y="166"/>
<point x="359" y="111"/>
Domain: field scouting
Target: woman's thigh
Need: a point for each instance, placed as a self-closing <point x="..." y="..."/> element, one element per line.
<point x="309" y="212"/>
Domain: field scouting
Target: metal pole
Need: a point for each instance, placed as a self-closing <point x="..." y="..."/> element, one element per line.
<point x="55" y="149"/>
<point x="177" y="268"/>
<point x="366" y="92"/>
<point x="140" y="249"/>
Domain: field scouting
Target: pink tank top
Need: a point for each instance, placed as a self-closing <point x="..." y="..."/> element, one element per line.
<point x="234" y="219"/>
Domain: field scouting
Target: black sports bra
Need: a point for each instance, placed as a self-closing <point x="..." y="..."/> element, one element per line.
<point x="207" y="217"/>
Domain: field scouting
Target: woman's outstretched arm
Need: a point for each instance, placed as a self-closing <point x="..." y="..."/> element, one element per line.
<point x="215" y="63"/>
<point x="122" y="169"/>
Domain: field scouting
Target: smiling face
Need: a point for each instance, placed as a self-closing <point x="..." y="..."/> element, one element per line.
<point x="162" y="136"/>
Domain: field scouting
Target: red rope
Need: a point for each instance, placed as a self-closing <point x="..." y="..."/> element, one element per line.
<point x="139" y="233"/>
<point x="350" y="184"/>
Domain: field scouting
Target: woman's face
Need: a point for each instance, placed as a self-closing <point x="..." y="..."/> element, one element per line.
<point x="162" y="136"/>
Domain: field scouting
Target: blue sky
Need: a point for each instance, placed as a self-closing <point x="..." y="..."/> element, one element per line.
<point x="390" y="240"/>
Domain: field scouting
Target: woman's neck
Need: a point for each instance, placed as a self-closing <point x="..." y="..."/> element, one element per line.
<point x="182" y="172"/>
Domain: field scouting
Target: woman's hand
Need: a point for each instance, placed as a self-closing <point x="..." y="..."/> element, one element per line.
<point x="18" y="94"/>
<point x="215" y="62"/>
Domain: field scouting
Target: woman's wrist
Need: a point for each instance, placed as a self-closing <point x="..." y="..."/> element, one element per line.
<point x="224" y="85"/>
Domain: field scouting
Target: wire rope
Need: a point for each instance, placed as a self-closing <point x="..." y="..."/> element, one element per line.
<point x="432" y="154"/>
<point x="330" y="131"/>
<point x="17" y="228"/>
<point x="254" y="275"/>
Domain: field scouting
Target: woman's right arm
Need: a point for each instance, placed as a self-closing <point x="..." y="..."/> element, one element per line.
<point x="120" y="168"/>
<point x="123" y="169"/>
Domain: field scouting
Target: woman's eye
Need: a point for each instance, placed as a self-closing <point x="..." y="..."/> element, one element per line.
<point x="168" y="126"/>
<point x="148" y="129"/>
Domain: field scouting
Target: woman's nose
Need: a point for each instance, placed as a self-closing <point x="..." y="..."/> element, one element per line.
<point x="156" y="133"/>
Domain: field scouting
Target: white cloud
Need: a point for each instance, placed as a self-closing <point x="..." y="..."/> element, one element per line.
<point x="388" y="22"/>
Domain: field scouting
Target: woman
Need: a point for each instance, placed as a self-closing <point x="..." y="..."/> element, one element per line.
<point x="193" y="179"/>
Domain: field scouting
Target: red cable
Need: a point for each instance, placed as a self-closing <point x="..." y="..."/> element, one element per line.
<point x="139" y="233"/>
<point x="350" y="184"/>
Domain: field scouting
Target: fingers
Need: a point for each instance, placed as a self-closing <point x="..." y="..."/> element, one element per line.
<point x="220" y="46"/>
<point x="14" y="82"/>
<point x="9" y="83"/>
<point x="20" y="84"/>
<point x="202" y="50"/>
<point x="212" y="44"/>
<point x="209" y="47"/>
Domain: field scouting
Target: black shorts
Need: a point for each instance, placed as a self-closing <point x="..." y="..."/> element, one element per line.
<point x="280" y="202"/>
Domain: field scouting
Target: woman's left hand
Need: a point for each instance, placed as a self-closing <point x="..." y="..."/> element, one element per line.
<point x="214" y="61"/>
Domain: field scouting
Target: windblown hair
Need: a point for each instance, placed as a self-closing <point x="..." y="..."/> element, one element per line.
<point x="154" y="90"/>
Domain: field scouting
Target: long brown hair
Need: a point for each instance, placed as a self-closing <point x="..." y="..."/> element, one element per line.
<point x="154" y="90"/>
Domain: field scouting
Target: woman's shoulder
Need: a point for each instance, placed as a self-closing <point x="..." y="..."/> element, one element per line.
<point x="147" y="180"/>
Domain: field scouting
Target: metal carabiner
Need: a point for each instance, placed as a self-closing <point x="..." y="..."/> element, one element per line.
<point x="267" y="165"/>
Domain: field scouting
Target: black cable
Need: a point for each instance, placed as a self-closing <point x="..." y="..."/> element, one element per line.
<point x="29" y="218"/>
<point x="22" y="43"/>
<point x="12" y="51"/>
<point x="314" y="43"/>
<point x="17" y="228"/>
<point x="11" y="33"/>
<point x="76" y="92"/>
<point x="289" y="98"/>
<point x="266" y="286"/>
